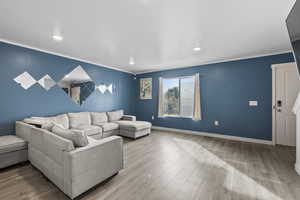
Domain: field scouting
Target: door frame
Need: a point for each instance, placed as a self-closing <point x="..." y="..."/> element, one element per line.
<point x="274" y="67"/>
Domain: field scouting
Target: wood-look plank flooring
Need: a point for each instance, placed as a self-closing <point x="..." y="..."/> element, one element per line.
<point x="176" y="166"/>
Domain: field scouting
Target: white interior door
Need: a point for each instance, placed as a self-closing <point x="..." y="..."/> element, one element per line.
<point x="287" y="86"/>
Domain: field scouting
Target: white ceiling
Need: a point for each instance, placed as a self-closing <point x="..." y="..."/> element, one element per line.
<point x="158" y="34"/>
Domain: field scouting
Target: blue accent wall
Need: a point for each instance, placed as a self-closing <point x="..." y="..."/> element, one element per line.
<point x="226" y="89"/>
<point x="17" y="103"/>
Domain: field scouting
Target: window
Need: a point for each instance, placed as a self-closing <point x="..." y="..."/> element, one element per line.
<point x="178" y="96"/>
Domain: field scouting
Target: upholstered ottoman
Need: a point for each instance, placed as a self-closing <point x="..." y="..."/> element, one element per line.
<point x="134" y="129"/>
<point x="13" y="150"/>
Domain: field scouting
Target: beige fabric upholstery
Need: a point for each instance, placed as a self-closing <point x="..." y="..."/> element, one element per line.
<point x="135" y="134"/>
<point x="128" y="118"/>
<point x="13" y="150"/>
<point x="115" y="115"/>
<point x="110" y="133"/>
<point x="11" y="143"/>
<point x="109" y="126"/>
<point x="99" y="118"/>
<point x="92" y="164"/>
<point x="23" y="130"/>
<point x="89" y="129"/>
<point x="79" y="138"/>
<point x="134" y="129"/>
<point x="79" y="119"/>
<point x="62" y="120"/>
<point x="133" y="125"/>
<point x="74" y="171"/>
<point x="49" y="125"/>
<point x="14" y="157"/>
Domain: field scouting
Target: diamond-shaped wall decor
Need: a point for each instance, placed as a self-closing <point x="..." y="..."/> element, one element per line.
<point x="102" y="88"/>
<point x="110" y="88"/>
<point x="78" y="85"/>
<point x="47" y="82"/>
<point x="25" y="80"/>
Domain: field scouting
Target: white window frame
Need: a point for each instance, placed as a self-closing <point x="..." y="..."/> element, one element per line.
<point x="178" y="116"/>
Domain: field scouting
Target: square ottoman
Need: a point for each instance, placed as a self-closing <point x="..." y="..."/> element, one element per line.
<point x="13" y="150"/>
<point x="134" y="129"/>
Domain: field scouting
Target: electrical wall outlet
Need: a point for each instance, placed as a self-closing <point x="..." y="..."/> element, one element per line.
<point x="216" y="123"/>
<point x="253" y="103"/>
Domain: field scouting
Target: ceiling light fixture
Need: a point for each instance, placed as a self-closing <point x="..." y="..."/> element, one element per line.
<point x="131" y="61"/>
<point x="197" y="48"/>
<point x="57" y="37"/>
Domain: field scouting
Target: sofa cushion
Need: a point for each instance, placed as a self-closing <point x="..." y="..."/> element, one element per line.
<point x="134" y="125"/>
<point x="89" y="129"/>
<point x="110" y="133"/>
<point x="11" y="143"/>
<point x="109" y="126"/>
<point x="79" y="138"/>
<point x="62" y="120"/>
<point x="49" y="125"/>
<point x="98" y="118"/>
<point x="79" y="119"/>
<point x="115" y="115"/>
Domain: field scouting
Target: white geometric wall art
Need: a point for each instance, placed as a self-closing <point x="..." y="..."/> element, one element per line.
<point x="47" y="82"/>
<point x="110" y="88"/>
<point x="25" y="80"/>
<point x="103" y="88"/>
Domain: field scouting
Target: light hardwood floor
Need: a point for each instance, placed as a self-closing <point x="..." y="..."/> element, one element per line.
<point x="176" y="166"/>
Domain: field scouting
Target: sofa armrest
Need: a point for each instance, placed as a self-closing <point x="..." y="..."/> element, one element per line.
<point x="23" y="130"/>
<point x="49" y="140"/>
<point x="92" y="164"/>
<point x="96" y="146"/>
<point x="128" y="118"/>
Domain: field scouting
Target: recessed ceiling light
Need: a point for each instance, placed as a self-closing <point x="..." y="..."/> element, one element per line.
<point x="131" y="61"/>
<point x="197" y="48"/>
<point x="57" y="37"/>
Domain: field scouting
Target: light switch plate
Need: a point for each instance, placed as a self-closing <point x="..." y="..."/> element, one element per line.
<point x="253" y="103"/>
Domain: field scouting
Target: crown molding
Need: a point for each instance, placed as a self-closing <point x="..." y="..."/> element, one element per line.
<point x="218" y="61"/>
<point x="62" y="55"/>
<point x="143" y="72"/>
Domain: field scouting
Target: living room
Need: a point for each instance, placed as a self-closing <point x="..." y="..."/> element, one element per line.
<point x="143" y="100"/>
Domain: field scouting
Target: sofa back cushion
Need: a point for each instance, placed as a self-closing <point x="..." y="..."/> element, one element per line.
<point x="62" y="119"/>
<point x="79" y="138"/>
<point x="115" y="115"/>
<point x="79" y="119"/>
<point x="99" y="118"/>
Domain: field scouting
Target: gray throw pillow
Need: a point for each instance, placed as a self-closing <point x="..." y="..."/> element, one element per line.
<point x="49" y="125"/>
<point x="78" y="138"/>
<point x="115" y="115"/>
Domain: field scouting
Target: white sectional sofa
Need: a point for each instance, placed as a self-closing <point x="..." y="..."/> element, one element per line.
<point x="76" y="169"/>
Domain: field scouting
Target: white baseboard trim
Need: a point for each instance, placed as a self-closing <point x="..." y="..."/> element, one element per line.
<point x="297" y="168"/>
<point x="215" y="135"/>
